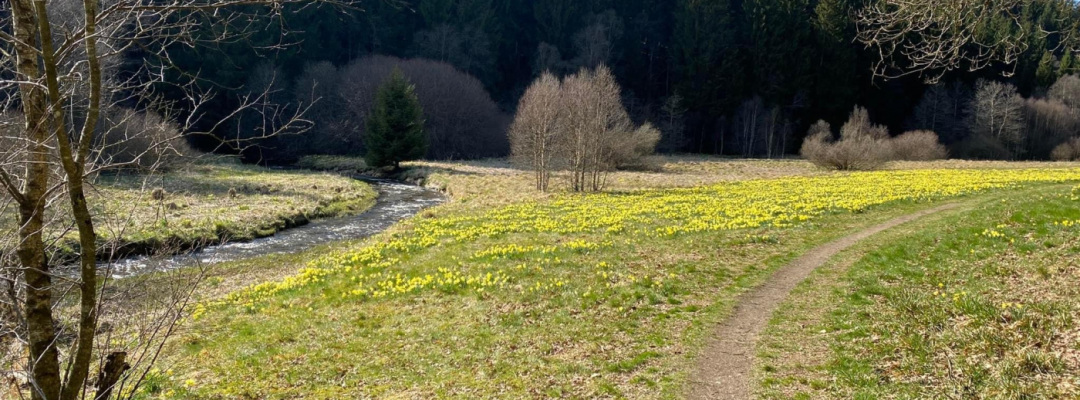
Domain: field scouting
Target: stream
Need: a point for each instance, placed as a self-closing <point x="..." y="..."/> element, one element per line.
<point x="396" y="201"/>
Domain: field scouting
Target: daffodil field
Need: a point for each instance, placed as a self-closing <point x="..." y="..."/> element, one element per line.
<point x="666" y="214"/>
<point x="572" y="296"/>
<point x="986" y="307"/>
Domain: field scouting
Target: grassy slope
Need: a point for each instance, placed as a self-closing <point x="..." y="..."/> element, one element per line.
<point x="570" y="337"/>
<point x="197" y="207"/>
<point x="974" y="304"/>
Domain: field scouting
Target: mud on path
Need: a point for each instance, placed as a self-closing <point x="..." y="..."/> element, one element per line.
<point x="725" y="368"/>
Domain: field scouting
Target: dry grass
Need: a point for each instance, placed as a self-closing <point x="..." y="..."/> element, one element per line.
<point x="494" y="182"/>
<point x="205" y="204"/>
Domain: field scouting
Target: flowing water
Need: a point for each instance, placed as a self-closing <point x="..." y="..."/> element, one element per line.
<point x="397" y="201"/>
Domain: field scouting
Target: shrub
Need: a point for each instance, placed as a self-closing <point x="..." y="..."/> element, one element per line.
<point x="633" y="151"/>
<point x="862" y="146"/>
<point x="918" y="146"/>
<point x="1068" y="151"/>
<point x="395" y="129"/>
<point x="861" y="153"/>
<point x="143" y="140"/>
<point x="1049" y="122"/>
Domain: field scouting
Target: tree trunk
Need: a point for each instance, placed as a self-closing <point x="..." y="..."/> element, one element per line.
<point x="110" y="374"/>
<point x="43" y="358"/>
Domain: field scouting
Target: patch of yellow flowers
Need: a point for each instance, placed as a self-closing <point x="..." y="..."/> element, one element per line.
<point x="655" y="213"/>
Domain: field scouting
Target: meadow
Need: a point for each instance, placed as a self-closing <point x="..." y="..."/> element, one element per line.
<point x="202" y="204"/>
<point x="557" y="295"/>
<point x="982" y="303"/>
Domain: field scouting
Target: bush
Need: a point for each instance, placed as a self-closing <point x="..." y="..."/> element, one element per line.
<point x="863" y="146"/>
<point x="142" y="140"/>
<point x="918" y="146"/>
<point x="1068" y="151"/>
<point x="861" y="153"/>
<point x="632" y="152"/>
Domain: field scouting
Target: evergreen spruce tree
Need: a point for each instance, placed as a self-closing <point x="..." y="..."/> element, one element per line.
<point x="1046" y="75"/>
<point x="1068" y="64"/>
<point x="395" y="128"/>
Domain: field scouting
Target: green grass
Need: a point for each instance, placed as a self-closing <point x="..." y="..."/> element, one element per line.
<point x="206" y="204"/>
<point x="972" y="304"/>
<point x="626" y="341"/>
<point x="622" y="319"/>
<point x="344" y="164"/>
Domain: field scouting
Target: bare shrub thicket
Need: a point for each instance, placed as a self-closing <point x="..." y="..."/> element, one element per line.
<point x="917" y="146"/>
<point x="585" y="119"/>
<point x="1068" y="151"/>
<point x="1048" y="122"/>
<point x="862" y="145"/>
<point x="1066" y="90"/>
<point x="143" y="140"/>
<point x="460" y="118"/>
<point x="995" y="121"/>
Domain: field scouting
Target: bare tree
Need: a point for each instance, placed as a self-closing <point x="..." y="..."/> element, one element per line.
<point x="749" y="117"/>
<point x="584" y="117"/>
<point x="1066" y="90"/>
<point x="62" y="52"/>
<point x="596" y="120"/>
<point x="996" y="119"/>
<point x="932" y="37"/>
<point x="538" y="127"/>
<point x="941" y="110"/>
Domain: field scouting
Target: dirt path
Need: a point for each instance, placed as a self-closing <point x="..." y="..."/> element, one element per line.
<point x="725" y="368"/>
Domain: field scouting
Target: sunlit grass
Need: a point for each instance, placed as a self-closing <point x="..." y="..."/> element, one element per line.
<point x="984" y="305"/>
<point x="568" y="296"/>
<point x="206" y="204"/>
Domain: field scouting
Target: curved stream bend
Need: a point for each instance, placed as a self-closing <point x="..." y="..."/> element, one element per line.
<point x="396" y="202"/>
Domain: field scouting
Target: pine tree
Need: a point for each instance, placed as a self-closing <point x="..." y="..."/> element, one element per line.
<point x="1046" y="75"/>
<point x="1068" y="64"/>
<point x="395" y="129"/>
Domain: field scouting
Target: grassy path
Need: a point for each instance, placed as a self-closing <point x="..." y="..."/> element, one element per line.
<point x="724" y="367"/>
<point x="980" y="302"/>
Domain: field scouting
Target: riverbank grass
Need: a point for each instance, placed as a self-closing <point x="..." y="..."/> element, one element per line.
<point x="983" y="304"/>
<point x="207" y="204"/>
